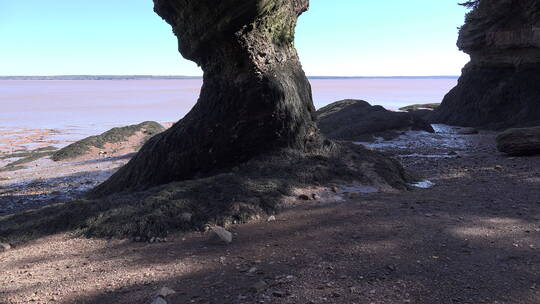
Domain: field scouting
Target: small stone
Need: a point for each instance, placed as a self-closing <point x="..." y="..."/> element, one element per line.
<point x="271" y="218"/>
<point x="4" y="247"/>
<point x="164" y="292"/>
<point x="152" y="240"/>
<point x="186" y="217"/>
<point x="315" y="196"/>
<point x="259" y="286"/>
<point x="303" y="197"/>
<point x="252" y="270"/>
<point x="219" y="233"/>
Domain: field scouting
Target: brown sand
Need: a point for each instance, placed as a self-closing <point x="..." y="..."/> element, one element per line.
<point x="474" y="237"/>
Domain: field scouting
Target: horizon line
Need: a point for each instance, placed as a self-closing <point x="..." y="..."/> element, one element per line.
<point x="142" y="76"/>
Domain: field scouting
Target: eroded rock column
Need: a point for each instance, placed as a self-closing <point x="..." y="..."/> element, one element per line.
<point x="255" y="96"/>
<point x="500" y="87"/>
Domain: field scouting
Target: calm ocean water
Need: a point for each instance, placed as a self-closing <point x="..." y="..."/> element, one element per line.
<point x="97" y="105"/>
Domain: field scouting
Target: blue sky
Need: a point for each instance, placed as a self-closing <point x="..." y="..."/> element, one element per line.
<point x="334" y="38"/>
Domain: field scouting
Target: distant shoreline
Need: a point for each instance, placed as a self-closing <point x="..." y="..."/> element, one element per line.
<point x="152" y="77"/>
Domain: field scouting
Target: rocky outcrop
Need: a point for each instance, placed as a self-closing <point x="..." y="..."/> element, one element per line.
<point x="357" y="120"/>
<point x="114" y="142"/>
<point x="518" y="142"/>
<point x="499" y="87"/>
<point x="255" y="97"/>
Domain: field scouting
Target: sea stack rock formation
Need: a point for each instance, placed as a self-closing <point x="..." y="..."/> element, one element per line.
<point x="255" y="97"/>
<point x="500" y="86"/>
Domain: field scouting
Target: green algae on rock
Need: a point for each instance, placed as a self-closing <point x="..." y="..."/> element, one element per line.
<point x="113" y="136"/>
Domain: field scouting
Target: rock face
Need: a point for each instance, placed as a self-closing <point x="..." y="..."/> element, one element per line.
<point x="499" y="87"/>
<point x="357" y="120"/>
<point x="524" y="141"/>
<point x="255" y="97"/>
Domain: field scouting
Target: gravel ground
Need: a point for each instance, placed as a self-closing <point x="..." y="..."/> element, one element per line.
<point x="473" y="237"/>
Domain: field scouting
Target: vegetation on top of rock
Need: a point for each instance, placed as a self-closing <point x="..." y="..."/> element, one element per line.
<point x="115" y="135"/>
<point x="357" y="120"/>
<point x="253" y="189"/>
<point x="425" y="106"/>
<point x="498" y="88"/>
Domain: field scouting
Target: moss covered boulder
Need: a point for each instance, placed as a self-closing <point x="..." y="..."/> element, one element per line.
<point x="116" y="141"/>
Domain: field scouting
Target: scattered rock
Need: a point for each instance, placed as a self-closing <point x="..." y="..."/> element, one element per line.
<point x="467" y="131"/>
<point x="221" y="234"/>
<point x="271" y="218"/>
<point x="519" y="142"/>
<point x="4" y="247"/>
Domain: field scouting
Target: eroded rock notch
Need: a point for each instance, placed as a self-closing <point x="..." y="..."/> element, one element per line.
<point x="255" y="96"/>
<point x="500" y="86"/>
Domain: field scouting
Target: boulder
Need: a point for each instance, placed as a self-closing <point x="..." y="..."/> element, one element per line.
<point x="519" y="142"/>
<point x="357" y="120"/>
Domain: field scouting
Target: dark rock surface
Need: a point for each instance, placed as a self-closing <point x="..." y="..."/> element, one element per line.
<point x="523" y="141"/>
<point x="499" y="87"/>
<point x="255" y="97"/>
<point x="357" y="120"/>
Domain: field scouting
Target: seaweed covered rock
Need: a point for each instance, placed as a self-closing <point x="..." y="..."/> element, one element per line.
<point x="357" y="120"/>
<point x="117" y="141"/>
<point x="522" y="141"/>
<point x="499" y="86"/>
<point x="255" y="96"/>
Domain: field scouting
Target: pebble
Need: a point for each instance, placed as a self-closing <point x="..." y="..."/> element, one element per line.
<point x="259" y="286"/>
<point x="271" y="218"/>
<point x="4" y="247"/>
<point x="221" y="234"/>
